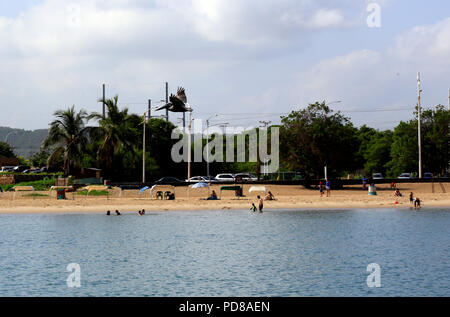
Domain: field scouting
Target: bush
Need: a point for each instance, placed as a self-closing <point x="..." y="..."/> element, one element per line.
<point x="41" y="185"/>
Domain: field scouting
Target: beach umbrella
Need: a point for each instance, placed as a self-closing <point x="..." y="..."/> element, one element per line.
<point x="200" y="185"/>
<point x="143" y="189"/>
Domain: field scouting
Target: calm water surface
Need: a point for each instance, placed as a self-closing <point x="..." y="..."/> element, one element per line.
<point x="228" y="253"/>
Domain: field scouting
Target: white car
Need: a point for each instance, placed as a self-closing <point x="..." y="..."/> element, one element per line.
<point x="226" y="178"/>
<point x="246" y="177"/>
<point x="405" y="176"/>
<point x="196" y="179"/>
<point x="200" y="179"/>
<point x="377" y="176"/>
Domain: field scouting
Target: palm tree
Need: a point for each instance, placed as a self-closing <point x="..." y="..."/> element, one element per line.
<point x="116" y="131"/>
<point x="66" y="137"/>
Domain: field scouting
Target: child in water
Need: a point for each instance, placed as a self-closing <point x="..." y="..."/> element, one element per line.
<point x="253" y="208"/>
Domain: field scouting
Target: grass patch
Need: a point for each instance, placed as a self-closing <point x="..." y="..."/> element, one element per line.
<point x="40" y="185"/>
<point x="94" y="193"/>
<point x="35" y="195"/>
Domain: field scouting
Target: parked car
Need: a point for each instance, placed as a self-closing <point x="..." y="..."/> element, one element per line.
<point x="5" y="169"/>
<point x="195" y="179"/>
<point x="226" y="178"/>
<point x="168" y="181"/>
<point x="246" y="177"/>
<point x="209" y="179"/>
<point x="21" y="168"/>
<point x="427" y="175"/>
<point x="405" y="176"/>
<point x="377" y="176"/>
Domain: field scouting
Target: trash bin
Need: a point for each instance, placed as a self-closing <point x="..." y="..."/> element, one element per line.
<point x="61" y="194"/>
<point x="372" y="190"/>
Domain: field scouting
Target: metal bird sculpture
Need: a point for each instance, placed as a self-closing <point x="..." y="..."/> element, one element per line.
<point x="177" y="103"/>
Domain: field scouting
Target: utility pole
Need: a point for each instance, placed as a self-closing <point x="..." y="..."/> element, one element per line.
<point x="143" y="145"/>
<point x="265" y="124"/>
<point x="104" y="98"/>
<point x="149" y="109"/>
<point x="189" y="143"/>
<point x="167" y="100"/>
<point x="419" y="123"/>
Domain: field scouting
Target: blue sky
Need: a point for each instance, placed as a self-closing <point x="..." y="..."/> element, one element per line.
<point x="234" y="57"/>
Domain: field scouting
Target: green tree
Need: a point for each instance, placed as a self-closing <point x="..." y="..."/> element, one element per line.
<point x="6" y="150"/>
<point x="117" y="133"/>
<point x="436" y="140"/>
<point x="378" y="153"/>
<point x="67" y="135"/>
<point x="316" y="137"/>
<point x="39" y="159"/>
<point x="435" y="144"/>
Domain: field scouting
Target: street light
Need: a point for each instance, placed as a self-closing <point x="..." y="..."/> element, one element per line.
<point x="6" y="137"/>
<point x="143" y="146"/>
<point x="332" y="102"/>
<point x="189" y="141"/>
<point x="207" y="141"/>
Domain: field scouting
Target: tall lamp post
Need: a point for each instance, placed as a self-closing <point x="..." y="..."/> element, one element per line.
<point x="6" y="137"/>
<point x="189" y="141"/>
<point x="143" y="145"/>
<point x="207" y="142"/>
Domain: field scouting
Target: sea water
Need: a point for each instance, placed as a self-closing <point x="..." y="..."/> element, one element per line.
<point x="228" y="253"/>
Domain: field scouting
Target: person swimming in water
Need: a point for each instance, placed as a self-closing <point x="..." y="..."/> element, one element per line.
<point x="108" y="213"/>
<point x="117" y="213"/>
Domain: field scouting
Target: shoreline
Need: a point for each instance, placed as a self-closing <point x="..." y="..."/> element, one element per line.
<point x="288" y="198"/>
<point x="186" y="207"/>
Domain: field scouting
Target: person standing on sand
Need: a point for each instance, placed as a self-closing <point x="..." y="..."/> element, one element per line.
<point x="321" y="189"/>
<point x="328" y="187"/>
<point x="261" y="204"/>
<point x="411" y="198"/>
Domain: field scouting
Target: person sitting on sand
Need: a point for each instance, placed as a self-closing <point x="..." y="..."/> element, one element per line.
<point x="397" y="193"/>
<point x="269" y="196"/>
<point x="213" y="196"/>
<point x="417" y="203"/>
<point x="108" y="213"/>
<point x="253" y="208"/>
<point x="117" y="213"/>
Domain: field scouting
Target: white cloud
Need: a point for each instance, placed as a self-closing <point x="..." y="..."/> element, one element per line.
<point x="59" y="52"/>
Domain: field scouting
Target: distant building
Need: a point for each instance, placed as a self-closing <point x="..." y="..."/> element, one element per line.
<point x="9" y="161"/>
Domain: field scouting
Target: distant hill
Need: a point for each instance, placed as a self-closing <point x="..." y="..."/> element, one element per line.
<point x="25" y="143"/>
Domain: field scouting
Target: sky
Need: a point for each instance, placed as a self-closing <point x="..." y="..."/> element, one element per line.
<point x="245" y="60"/>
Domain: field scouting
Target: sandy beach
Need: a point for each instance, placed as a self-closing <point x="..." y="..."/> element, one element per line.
<point x="287" y="197"/>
